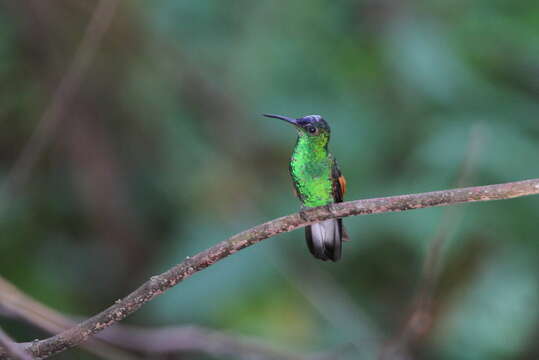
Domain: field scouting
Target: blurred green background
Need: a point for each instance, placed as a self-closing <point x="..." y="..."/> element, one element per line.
<point x="162" y="152"/>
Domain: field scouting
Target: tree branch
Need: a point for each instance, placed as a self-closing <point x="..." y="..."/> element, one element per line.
<point x="16" y="351"/>
<point x="160" y="283"/>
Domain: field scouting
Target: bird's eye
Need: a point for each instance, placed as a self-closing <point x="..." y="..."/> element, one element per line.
<point x="311" y="129"/>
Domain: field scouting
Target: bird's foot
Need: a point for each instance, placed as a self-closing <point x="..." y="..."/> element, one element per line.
<point x="303" y="215"/>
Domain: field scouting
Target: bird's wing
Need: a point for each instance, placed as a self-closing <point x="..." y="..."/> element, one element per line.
<point x="339" y="183"/>
<point x="339" y="188"/>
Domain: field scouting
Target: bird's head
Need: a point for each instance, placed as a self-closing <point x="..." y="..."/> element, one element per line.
<point x="310" y="126"/>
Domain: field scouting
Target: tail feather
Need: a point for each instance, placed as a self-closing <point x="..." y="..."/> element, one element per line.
<point x="324" y="239"/>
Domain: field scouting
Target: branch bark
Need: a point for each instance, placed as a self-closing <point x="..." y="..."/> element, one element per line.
<point x="16" y="351"/>
<point x="161" y="283"/>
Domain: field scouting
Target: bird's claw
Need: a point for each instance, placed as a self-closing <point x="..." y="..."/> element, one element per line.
<point x="303" y="215"/>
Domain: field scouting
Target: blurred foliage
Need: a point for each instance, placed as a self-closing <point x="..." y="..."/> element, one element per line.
<point x="163" y="152"/>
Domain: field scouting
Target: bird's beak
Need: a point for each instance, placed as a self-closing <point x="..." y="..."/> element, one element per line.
<point x="287" y="119"/>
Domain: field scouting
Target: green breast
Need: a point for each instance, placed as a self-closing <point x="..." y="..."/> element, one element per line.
<point x="311" y="167"/>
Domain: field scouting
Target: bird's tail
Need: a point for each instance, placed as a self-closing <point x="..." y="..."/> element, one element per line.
<point x="324" y="239"/>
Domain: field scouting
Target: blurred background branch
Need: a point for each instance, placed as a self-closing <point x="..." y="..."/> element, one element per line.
<point x="64" y="94"/>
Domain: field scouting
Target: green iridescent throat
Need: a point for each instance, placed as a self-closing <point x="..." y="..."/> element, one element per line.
<point x="311" y="166"/>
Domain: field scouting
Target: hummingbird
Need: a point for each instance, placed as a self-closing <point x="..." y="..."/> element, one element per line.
<point x="317" y="182"/>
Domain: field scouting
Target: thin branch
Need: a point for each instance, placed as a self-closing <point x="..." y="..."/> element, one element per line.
<point x="161" y="283"/>
<point x="69" y="85"/>
<point x="14" y="350"/>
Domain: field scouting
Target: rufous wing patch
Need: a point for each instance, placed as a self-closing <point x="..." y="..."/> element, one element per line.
<point x="342" y="183"/>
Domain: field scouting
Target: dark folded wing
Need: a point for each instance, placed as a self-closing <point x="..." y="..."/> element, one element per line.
<point x="339" y="188"/>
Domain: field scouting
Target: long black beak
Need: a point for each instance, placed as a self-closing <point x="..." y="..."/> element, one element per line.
<point x="287" y="119"/>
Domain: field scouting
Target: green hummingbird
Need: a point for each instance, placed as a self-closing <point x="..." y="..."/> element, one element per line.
<point x="317" y="181"/>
